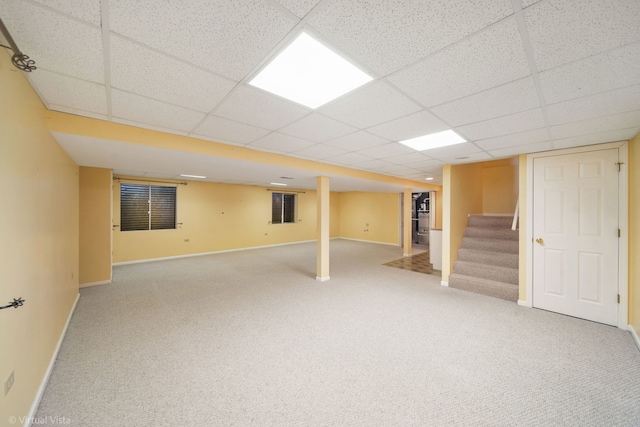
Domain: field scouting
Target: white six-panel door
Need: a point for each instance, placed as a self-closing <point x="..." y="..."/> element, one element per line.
<point x="575" y="232"/>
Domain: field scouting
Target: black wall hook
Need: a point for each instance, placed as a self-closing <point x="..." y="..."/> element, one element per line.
<point x="15" y="304"/>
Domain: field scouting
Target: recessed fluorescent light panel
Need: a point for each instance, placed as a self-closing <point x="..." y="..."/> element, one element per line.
<point x="434" y="140"/>
<point x="278" y="183"/>
<point x="192" y="176"/>
<point x="309" y="73"/>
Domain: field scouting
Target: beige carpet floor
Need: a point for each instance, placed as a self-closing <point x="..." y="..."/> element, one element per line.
<point x="252" y="339"/>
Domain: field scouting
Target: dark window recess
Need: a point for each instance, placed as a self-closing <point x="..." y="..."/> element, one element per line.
<point x="283" y="208"/>
<point x="145" y="207"/>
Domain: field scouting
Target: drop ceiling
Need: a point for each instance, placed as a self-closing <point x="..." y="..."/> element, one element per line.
<point x="510" y="76"/>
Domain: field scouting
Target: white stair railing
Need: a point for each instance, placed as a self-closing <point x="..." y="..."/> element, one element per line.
<point x="515" y="217"/>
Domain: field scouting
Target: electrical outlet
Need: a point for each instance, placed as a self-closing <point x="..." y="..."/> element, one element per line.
<point x="9" y="383"/>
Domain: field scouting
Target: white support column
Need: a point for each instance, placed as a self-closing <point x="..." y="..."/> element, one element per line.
<point x="322" y="270"/>
<point x="408" y="223"/>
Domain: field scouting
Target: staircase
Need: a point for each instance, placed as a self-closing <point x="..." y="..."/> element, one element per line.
<point x="488" y="258"/>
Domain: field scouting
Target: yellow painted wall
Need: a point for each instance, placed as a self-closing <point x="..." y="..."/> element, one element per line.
<point x="463" y="196"/>
<point x="39" y="243"/>
<point x="370" y="216"/>
<point x="500" y="186"/>
<point x="334" y="220"/>
<point x="214" y="217"/>
<point x="634" y="234"/>
<point x="438" y="210"/>
<point x="95" y="225"/>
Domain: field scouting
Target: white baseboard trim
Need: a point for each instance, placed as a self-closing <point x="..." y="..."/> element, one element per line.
<point x="47" y="374"/>
<point x="524" y="303"/>
<point x="88" y="285"/>
<point x="634" y="334"/>
<point x="369" y="241"/>
<point x="322" y="279"/>
<point x="445" y="284"/>
<point x="139" y="261"/>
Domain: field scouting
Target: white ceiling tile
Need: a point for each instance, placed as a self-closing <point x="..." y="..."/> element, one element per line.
<point x="515" y="139"/>
<point x="373" y="104"/>
<point x="397" y="170"/>
<point x="357" y="141"/>
<point x="87" y="10"/>
<point x="319" y="152"/>
<point x="504" y="100"/>
<point x="417" y="124"/>
<point x="467" y="158"/>
<point x="299" y="7"/>
<point x="596" y="125"/>
<point x="348" y="159"/>
<point x="387" y="35"/>
<point x="491" y="58"/>
<point x="425" y="165"/>
<point x="163" y="78"/>
<point x="599" y="73"/>
<point x="280" y="143"/>
<point x="387" y="150"/>
<point x="590" y="107"/>
<point x="463" y="149"/>
<point x="148" y="126"/>
<point x="527" y="3"/>
<point x="522" y="149"/>
<point x="144" y="110"/>
<point x="227" y="130"/>
<point x="318" y="128"/>
<point x="372" y="164"/>
<point x="563" y="31"/>
<point x="414" y="157"/>
<point x="227" y="37"/>
<point x="258" y="108"/>
<point x="55" y="42"/>
<point x="70" y="92"/>
<point x="526" y="120"/>
<point x="596" y="138"/>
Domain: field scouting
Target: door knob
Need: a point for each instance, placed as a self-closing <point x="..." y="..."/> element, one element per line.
<point x="539" y="241"/>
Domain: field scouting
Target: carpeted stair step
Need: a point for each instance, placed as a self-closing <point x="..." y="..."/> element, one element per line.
<point x="486" y="271"/>
<point x="493" y="245"/>
<point x="487" y="257"/>
<point x="488" y="221"/>
<point x="491" y="288"/>
<point x="491" y="233"/>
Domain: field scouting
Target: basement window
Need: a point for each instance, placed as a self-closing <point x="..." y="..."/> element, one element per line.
<point x="283" y="208"/>
<point x="147" y="207"/>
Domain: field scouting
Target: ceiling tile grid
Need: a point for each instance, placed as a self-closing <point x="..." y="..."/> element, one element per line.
<point x="495" y="55"/>
<point x="500" y="101"/>
<point x="563" y="31"/>
<point x="595" y="74"/>
<point x="145" y="110"/>
<point x="56" y="42"/>
<point x="225" y="130"/>
<point x="70" y="92"/>
<point x="257" y="108"/>
<point x="166" y="79"/>
<point x="389" y="35"/>
<point x="318" y="128"/>
<point x="509" y="76"/>
<point x="227" y="37"/>
<point x="371" y="105"/>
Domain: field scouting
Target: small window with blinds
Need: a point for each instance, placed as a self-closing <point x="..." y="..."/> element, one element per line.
<point x="283" y="208"/>
<point x="147" y="207"/>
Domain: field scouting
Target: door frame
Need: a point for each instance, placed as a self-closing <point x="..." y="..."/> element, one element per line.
<point x="623" y="221"/>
